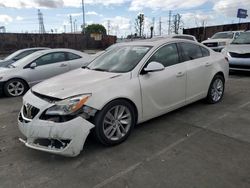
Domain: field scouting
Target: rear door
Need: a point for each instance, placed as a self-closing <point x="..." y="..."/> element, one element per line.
<point x="164" y="90"/>
<point x="199" y="67"/>
<point x="74" y="61"/>
<point x="48" y="65"/>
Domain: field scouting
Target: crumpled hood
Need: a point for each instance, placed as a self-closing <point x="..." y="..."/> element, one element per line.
<point x="79" y="81"/>
<point x="239" y="49"/>
<point x="216" y="40"/>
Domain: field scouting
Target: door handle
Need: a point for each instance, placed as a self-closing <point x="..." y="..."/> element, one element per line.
<point x="208" y="64"/>
<point x="63" y="65"/>
<point x="180" y="74"/>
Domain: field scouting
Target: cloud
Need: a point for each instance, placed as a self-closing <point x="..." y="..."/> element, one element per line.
<point x="19" y="18"/>
<point x="5" y="19"/>
<point x="230" y="7"/>
<point x="137" y="5"/>
<point x="197" y="19"/>
<point x="118" y="25"/>
<point x="49" y="4"/>
<point x="93" y="13"/>
<point x="55" y="3"/>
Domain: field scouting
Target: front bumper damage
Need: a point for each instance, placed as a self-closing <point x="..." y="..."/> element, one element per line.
<point x="64" y="138"/>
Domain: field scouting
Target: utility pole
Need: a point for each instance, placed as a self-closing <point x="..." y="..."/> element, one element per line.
<point x="83" y="17"/>
<point x="109" y="26"/>
<point x="41" y="24"/>
<point x="169" y="22"/>
<point x="153" y="24"/>
<point x="64" y="26"/>
<point x="160" y="26"/>
<point x="70" y="21"/>
<point x="75" y="25"/>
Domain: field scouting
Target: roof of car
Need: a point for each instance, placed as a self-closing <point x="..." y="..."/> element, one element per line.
<point x="35" y="48"/>
<point x="154" y="41"/>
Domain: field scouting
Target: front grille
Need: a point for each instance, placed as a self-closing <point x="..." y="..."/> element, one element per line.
<point x="29" y="111"/>
<point x="239" y="66"/>
<point x="211" y="44"/>
<point x="236" y="55"/>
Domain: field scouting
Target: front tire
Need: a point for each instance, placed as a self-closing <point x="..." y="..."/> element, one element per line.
<point x="216" y="89"/>
<point x="15" y="88"/>
<point x="114" y="123"/>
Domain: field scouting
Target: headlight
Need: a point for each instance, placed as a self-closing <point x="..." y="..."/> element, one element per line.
<point x="222" y="43"/>
<point x="225" y="53"/>
<point x="68" y="106"/>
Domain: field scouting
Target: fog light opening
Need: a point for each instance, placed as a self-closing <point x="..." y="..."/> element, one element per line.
<point x="52" y="143"/>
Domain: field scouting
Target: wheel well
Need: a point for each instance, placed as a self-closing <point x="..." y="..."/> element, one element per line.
<point x="132" y="103"/>
<point x="221" y="74"/>
<point x="20" y="79"/>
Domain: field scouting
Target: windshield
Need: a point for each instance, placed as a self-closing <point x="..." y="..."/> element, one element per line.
<point x="11" y="56"/>
<point x="121" y="59"/>
<point x="6" y="63"/>
<point x="244" y="38"/>
<point x="223" y="36"/>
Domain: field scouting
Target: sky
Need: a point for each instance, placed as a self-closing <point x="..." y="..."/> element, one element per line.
<point x="21" y="15"/>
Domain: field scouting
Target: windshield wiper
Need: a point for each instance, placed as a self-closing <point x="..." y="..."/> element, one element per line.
<point x="100" y="69"/>
<point x="85" y="67"/>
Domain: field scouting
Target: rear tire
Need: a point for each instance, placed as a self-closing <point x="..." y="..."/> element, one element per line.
<point x="15" y="88"/>
<point x="216" y="89"/>
<point x="114" y="123"/>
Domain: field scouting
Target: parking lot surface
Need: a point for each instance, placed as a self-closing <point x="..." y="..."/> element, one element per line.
<point x="198" y="146"/>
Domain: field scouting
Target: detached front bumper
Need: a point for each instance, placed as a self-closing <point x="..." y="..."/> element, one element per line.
<point x="65" y="138"/>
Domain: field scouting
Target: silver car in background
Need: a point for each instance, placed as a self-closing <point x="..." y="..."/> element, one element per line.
<point x="238" y="53"/>
<point x="18" y="77"/>
<point x="19" y="54"/>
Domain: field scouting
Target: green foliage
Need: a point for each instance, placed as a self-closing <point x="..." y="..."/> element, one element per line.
<point x="96" y="28"/>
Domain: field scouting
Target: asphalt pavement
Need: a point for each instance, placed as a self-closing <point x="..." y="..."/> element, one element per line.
<point x="197" y="146"/>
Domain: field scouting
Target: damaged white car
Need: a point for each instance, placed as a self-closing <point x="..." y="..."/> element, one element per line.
<point x="127" y="85"/>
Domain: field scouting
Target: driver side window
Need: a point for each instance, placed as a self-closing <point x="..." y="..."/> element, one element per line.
<point x="167" y="55"/>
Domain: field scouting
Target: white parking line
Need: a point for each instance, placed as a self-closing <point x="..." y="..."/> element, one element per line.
<point x="244" y="105"/>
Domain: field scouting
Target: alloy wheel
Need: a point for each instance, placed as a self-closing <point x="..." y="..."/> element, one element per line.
<point x="117" y="122"/>
<point x="15" y="88"/>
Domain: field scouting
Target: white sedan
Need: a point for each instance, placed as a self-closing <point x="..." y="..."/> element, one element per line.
<point x="127" y="85"/>
<point x="17" y="77"/>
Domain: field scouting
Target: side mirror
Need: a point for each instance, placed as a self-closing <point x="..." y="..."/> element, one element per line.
<point x="154" y="67"/>
<point x="208" y="38"/>
<point x="33" y="65"/>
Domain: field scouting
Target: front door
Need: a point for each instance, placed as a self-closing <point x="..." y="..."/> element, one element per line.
<point x="48" y="65"/>
<point x="164" y="90"/>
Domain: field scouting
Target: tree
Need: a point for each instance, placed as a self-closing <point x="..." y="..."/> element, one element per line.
<point x="96" y="28"/>
<point x="177" y="23"/>
<point x="139" y="24"/>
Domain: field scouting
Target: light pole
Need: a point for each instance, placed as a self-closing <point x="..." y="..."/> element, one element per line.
<point x="83" y="17"/>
